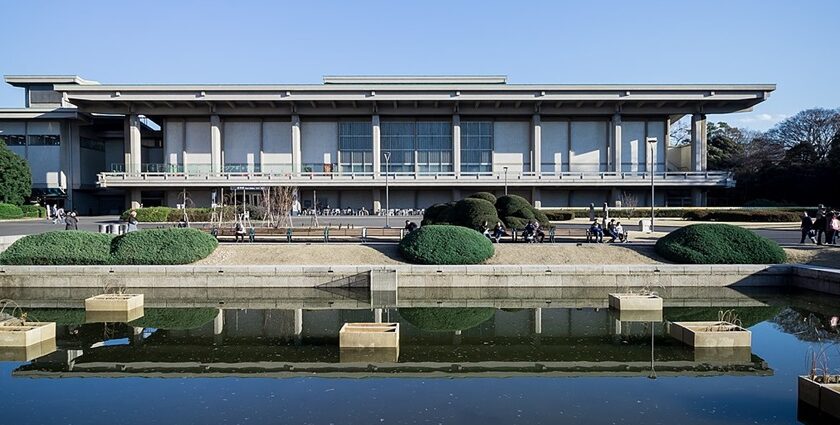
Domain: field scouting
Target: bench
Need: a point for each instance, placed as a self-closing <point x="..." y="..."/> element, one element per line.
<point x="326" y="233"/>
<point x="567" y="233"/>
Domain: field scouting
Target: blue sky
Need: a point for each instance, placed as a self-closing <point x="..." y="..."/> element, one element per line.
<point x="792" y="44"/>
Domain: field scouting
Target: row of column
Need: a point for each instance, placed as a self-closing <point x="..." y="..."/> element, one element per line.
<point x="698" y="143"/>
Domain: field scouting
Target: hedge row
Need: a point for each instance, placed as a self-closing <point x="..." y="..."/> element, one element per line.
<point x="436" y="319"/>
<point x="172" y="215"/>
<point x="718" y="244"/>
<point x="747" y="215"/>
<point x="150" y="247"/>
<point x="10" y="211"/>
<point x="159" y="318"/>
<point x="33" y="211"/>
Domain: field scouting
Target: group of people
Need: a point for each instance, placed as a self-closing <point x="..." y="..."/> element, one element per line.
<point x="824" y="227"/>
<point x="614" y="230"/>
<point x="58" y="215"/>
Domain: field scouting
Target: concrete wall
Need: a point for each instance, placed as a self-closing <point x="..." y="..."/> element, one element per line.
<point x="173" y="142"/>
<point x="241" y="143"/>
<point x="277" y="146"/>
<point x="588" y="146"/>
<point x="197" y="146"/>
<point x="634" y="150"/>
<point x="555" y="146"/>
<point x="319" y="143"/>
<point x="511" y="141"/>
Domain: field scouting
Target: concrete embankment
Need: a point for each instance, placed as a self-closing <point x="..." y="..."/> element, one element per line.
<point x="407" y="276"/>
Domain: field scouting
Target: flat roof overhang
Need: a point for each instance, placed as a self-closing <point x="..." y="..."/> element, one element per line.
<point x="35" y="113"/>
<point x="396" y="99"/>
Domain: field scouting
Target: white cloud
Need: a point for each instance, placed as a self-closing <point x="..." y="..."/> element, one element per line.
<point x="763" y="120"/>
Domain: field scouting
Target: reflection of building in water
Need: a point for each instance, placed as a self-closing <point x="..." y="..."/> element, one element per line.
<point x="284" y="343"/>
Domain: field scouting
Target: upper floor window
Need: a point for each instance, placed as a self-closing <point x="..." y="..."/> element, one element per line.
<point x="476" y="146"/>
<point x="355" y="144"/>
<point x="44" y="140"/>
<point x="13" y="139"/>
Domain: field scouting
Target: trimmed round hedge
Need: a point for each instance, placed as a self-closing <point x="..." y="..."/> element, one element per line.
<point x="60" y="247"/>
<point x="516" y="212"/>
<point x="472" y="213"/>
<point x="718" y="244"/>
<point x="444" y="244"/>
<point x="163" y="246"/>
<point x="487" y="196"/>
<point x="10" y="211"/>
<point x="436" y="319"/>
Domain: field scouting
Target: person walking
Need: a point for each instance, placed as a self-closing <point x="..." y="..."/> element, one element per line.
<point x="819" y="226"/>
<point x="132" y="222"/>
<point x="834" y="228"/>
<point x="806" y="226"/>
<point x="606" y="211"/>
<point x="591" y="211"/>
<point x="71" y="222"/>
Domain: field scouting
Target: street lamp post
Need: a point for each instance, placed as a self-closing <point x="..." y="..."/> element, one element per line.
<point x="651" y="141"/>
<point x="387" y="194"/>
<point x="506" y="168"/>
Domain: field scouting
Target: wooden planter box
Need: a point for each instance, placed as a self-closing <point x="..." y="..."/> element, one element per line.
<point x="113" y="316"/>
<point x="710" y="334"/>
<point x="26" y="333"/>
<point x="623" y="302"/>
<point x="28" y="353"/>
<point x="369" y="335"/>
<point x="114" y="302"/>
<point x="824" y="397"/>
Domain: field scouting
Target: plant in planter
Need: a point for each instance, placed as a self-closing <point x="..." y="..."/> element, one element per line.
<point x="724" y="332"/>
<point x="820" y="389"/>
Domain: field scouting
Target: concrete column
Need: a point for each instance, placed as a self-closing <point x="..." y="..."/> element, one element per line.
<point x="615" y="142"/>
<point x="536" y="144"/>
<point x="219" y="322"/>
<point x="377" y="146"/>
<point x="377" y="201"/>
<point x="296" y="156"/>
<point x="215" y="144"/>
<point x="538" y="320"/>
<point x="456" y="194"/>
<point x="134" y="198"/>
<point x="456" y="144"/>
<point x="664" y="143"/>
<point x="536" y="197"/>
<point x="377" y="315"/>
<point x="298" y="321"/>
<point x="133" y="157"/>
<point x="698" y="142"/>
<point x="698" y="197"/>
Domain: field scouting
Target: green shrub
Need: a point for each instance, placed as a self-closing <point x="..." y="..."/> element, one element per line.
<point x="487" y="196"/>
<point x="163" y="246"/>
<point x="9" y="211"/>
<point x="444" y="244"/>
<point x="472" y="213"/>
<point x="437" y="214"/>
<point x="175" y="318"/>
<point x="718" y="244"/>
<point x="34" y="211"/>
<point x="149" y="215"/>
<point x="743" y="215"/>
<point x="172" y="215"/>
<point x="558" y="215"/>
<point x="60" y="247"/>
<point x="15" y="176"/>
<point x="437" y="319"/>
<point x="516" y="212"/>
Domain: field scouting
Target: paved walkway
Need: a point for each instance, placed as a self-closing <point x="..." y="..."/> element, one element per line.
<point x="784" y="233"/>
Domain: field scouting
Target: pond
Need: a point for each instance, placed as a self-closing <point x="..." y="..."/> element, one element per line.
<point x="545" y="363"/>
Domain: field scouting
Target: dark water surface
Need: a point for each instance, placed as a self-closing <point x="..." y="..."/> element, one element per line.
<point x="506" y="366"/>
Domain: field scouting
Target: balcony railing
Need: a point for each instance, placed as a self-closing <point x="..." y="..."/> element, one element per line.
<point x="269" y="174"/>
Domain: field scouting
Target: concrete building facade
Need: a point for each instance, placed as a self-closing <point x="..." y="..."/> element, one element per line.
<point x="105" y="147"/>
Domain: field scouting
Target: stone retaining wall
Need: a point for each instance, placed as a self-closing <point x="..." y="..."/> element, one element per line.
<point x="410" y="276"/>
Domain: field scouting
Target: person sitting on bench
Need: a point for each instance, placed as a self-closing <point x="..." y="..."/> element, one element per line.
<point x="498" y="232"/>
<point x="596" y="234"/>
<point x="410" y="226"/>
<point x="619" y="230"/>
<point x="239" y="231"/>
<point x="484" y="229"/>
<point x="611" y="231"/>
<point x="539" y="235"/>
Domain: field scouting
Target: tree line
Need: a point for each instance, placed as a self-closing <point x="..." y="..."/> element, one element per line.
<point x="797" y="162"/>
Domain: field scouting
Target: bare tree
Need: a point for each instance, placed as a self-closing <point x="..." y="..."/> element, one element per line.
<point x="814" y="128"/>
<point x="680" y="133"/>
<point x="629" y="201"/>
<point x="278" y="202"/>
